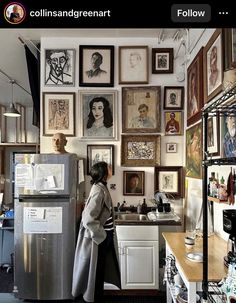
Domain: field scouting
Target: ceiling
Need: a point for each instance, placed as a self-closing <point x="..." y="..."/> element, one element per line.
<point x="12" y="54"/>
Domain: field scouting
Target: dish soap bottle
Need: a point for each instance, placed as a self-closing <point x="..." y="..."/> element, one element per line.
<point x="144" y="209"/>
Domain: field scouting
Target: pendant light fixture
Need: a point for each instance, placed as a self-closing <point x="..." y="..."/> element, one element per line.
<point x="11" y="111"/>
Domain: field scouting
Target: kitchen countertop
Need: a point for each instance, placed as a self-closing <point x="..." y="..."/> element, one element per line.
<point x="193" y="270"/>
<point x="163" y="222"/>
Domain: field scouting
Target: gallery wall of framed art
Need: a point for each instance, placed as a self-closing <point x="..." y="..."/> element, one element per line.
<point x="149" y="111"/>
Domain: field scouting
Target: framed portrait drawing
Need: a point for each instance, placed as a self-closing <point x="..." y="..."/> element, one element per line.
<point x="162" y="60"/>
<point x="98" y="114"/>
<point x="140" y="150"/>
<point x="195" y="89"/>
<point x="173" y="123"/>
<point x="213" y="135"/>
<point x="133" y="182"/>
<point x="169" y="179"/>
<point x="58" y="113"/>
<point x="171" y="147"/>
<point x="228" y="136"/>
<point x="96" y="66"/>
<point x="59" y="67"/>
<point x="133" y="64"/>
<point x="213" y="66"/>
<point x="141" y="109"/>
<point x="98" y="153"/>
<point x="173" y="97"/>
<point x="194" y="151"/>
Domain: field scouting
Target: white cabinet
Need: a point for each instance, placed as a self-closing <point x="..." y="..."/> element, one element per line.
<point x="139" y="256"/>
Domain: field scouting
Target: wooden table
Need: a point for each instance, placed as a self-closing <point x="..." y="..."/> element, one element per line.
<point x="191" y="272"/>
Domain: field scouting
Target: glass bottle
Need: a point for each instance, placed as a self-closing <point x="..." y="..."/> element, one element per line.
<point x="144" y="209"/>
<point x="223" y="195"/>
<point x="211" y="179"/>
<point x="214" y="185"/>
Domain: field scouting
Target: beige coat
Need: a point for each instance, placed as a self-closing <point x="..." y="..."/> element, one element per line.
<point x="97" y="210"/>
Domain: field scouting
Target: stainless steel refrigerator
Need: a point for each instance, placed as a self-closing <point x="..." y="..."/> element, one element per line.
<point x="45" y="226"/>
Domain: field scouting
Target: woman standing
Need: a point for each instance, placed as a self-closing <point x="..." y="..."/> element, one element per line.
<point x="96" y="248"/>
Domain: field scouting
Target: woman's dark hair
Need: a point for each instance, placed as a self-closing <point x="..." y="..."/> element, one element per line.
<point x="99" y="172"/>
<point x="108" y="119"/>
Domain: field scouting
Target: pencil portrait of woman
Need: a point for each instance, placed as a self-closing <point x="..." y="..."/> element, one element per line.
<point x="100" y="120"/>
<point x="98" y="114"/>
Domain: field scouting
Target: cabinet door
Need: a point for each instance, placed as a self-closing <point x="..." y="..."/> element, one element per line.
<point x="139" y="264"/>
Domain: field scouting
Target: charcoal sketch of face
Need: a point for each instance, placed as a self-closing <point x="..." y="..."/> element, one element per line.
<point x="59" y="67"/>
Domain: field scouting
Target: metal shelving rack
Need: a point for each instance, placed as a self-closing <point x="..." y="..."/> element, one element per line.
<point x="223" y="106"/>
<point x="214" y="294"/>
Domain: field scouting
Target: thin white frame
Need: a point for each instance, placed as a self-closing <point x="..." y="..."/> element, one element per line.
<point x="85" y="97"/>
<point x="168" y="150"/>
<point x="98" y="148"/>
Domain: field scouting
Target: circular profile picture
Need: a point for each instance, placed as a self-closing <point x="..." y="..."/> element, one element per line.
<point x="14" y="13"/>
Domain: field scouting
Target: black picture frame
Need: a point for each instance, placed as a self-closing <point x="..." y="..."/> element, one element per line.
<point x="101" y="76"/>
<point x="162" y="60"/>
<point x="177" y="102"/>
<point x="169" y="179"/>
<point x="213" y="135"/>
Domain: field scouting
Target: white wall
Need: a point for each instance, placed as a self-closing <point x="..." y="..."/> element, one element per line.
<point x="197" y="39"/>
<point x="78" y="146"/>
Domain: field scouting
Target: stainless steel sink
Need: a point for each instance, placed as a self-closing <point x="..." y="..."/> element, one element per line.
<point x="131" y="217"/>
<point x="153" y="216"/>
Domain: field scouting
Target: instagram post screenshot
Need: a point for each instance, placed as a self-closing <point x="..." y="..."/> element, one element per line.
<point x="117" y="152"/>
